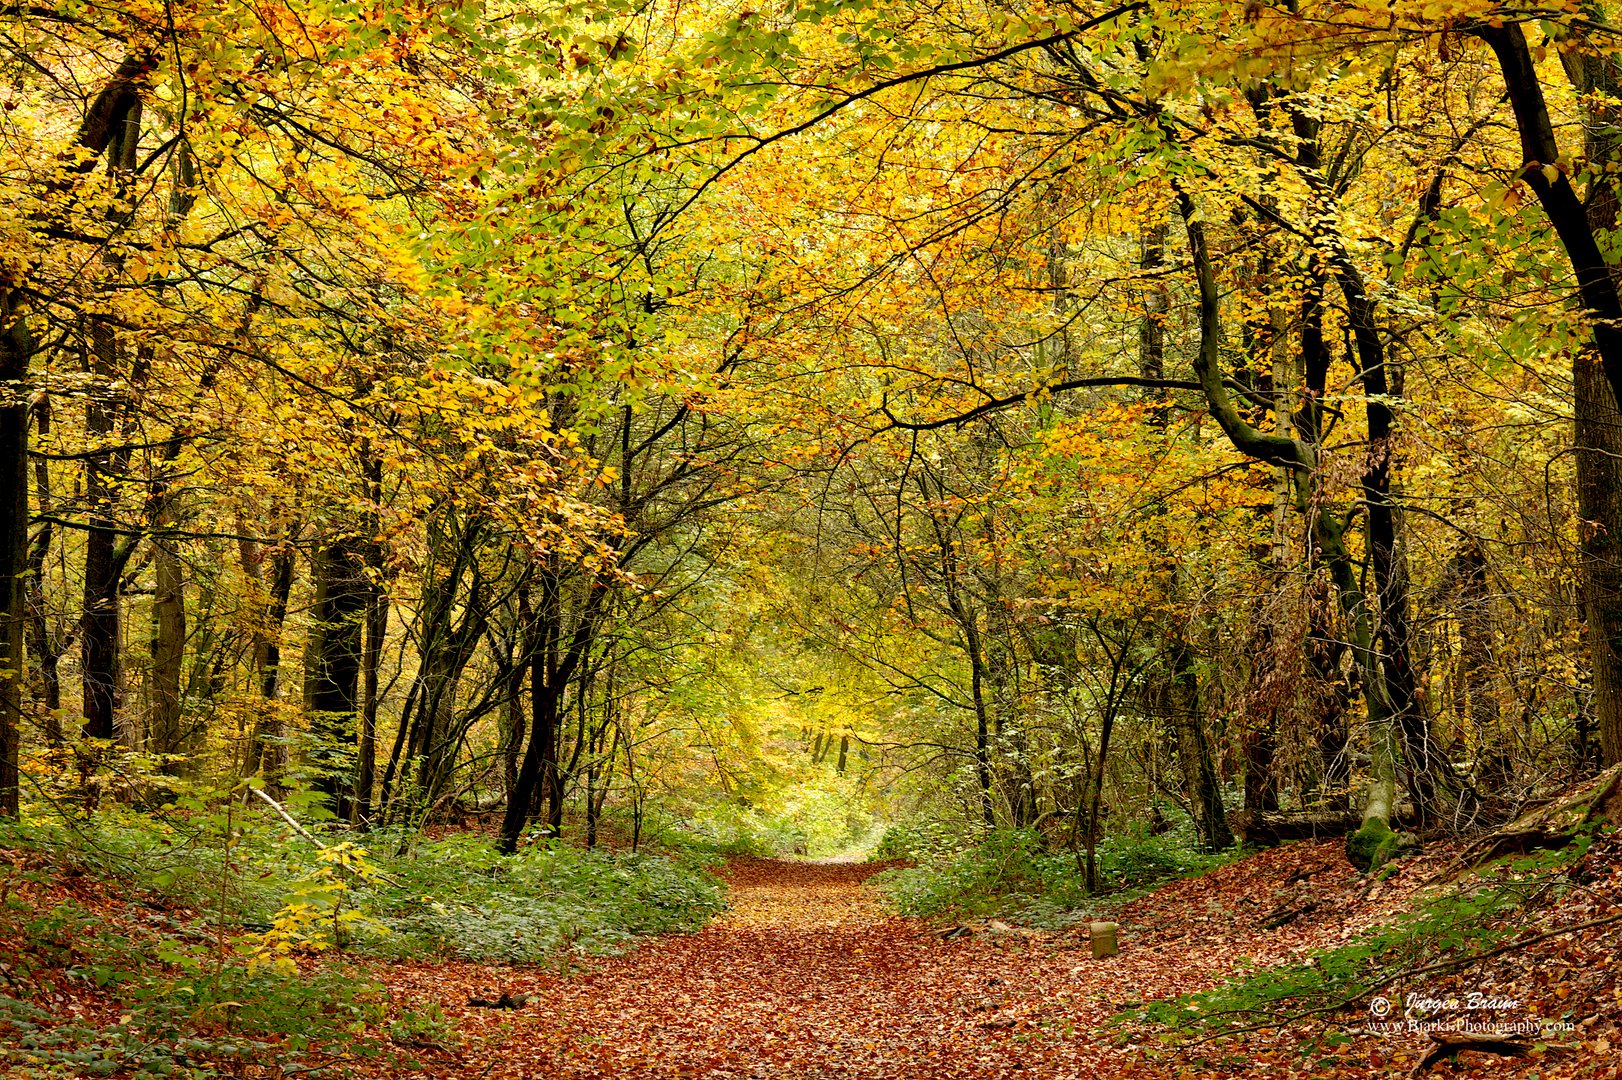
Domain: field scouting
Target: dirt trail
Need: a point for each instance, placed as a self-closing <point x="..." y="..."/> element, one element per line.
<point x="806" y="977"/>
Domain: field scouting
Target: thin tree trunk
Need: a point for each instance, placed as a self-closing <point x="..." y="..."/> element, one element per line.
<point x="1205" y="793"/>
<point x="16" y="348"/>
<point x="1180" y="686"/>
<point x="376" y="625"/>
<point x="1493" y="750"/>
<point x="44" y="647"/>
<point x="376" y="632"/>
<point x="168" y="651"/>
<point x="99" y="633"/>
<point x="100" y="640"/>
<point x="512" y="735"/>
<point x="269" y="752"/>
<point x="969" y="625"/>
<point x="1152" y="329"/>
<point x="1095" y="797"/>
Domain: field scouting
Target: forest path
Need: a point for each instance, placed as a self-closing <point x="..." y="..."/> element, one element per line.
<point x="805" y="976"/>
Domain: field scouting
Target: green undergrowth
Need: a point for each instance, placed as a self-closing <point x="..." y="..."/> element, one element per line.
<point x="1468" y="919"/>
<point x="240" y="940"/>
<point x="458" y="897"/>
<point x="189" y="1001"/>
<point x="728" y="830"/>
<point x="1011" y="873"/>
<point x="824" y="817"/>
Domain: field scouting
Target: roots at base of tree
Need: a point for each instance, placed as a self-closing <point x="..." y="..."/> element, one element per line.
<point x="1376" y="843"/>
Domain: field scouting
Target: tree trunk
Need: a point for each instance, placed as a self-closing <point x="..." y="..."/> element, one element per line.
<point x="1152" y="329"/>
<point x="554" y="667"/>
<point x="99" y="633"/>
<point x="539" y="763"/>
<point x="1374" y="842"/>
<point x="16" y="348"/>
<point x="1490" y="746"/>
<point x="1597" y="435"/>
<point x="600" y="770"/>
<point x="268" y="752"/>
<point x="1277" y="827"/>
<point x="44" y="647"/>
<point x="1204" y="793"/>
<point x="538" y="774"/>
<point x="1002" y="672"/>
<point x="968" y="622"/>
<point x="1095" y="798"/>
<point x="1261" y="792"/>
<point x="1387" y="566"/>
<point x="377" y="624"/>
<point x="512" y="732"/>
<point x="100" y="639"/>
<point x="1596" y="282"/>
<point x="164" y="724"/>
<point x="332" y="669"/>
<point x="446" y="646"/>
<point x="1598" y="443"/>
<point x="512" y="729"/>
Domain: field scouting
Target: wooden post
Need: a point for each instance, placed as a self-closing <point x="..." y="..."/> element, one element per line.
<point x="1103" y="935"/>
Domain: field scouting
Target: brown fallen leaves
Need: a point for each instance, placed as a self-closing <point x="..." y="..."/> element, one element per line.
<point x="806" y="976"/>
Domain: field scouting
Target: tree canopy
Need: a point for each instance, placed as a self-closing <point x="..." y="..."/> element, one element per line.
<point x="1046" y="416"/>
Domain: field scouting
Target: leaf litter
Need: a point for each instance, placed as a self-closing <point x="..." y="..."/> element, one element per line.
<point x="806" y="975"/>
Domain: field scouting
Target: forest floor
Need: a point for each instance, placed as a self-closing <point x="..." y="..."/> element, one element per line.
<point x="806" y="976"/>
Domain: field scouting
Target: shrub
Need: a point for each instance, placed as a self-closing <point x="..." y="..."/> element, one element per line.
<point x="459" y="897"/>
<point x="729" y="829"/>
<point x="921" y="840"/>
<point x="1011" y="872"/>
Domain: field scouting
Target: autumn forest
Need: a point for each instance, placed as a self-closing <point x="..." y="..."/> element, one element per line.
<point x="540" y="536"/>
